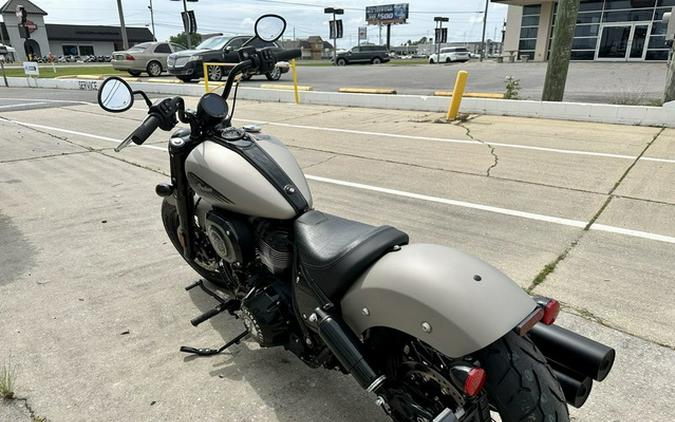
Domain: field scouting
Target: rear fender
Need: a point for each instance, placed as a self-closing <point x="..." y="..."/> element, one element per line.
<point x="452" y="301"/>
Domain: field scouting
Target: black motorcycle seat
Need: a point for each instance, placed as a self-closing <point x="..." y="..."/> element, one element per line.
<point x="333" y="251"/>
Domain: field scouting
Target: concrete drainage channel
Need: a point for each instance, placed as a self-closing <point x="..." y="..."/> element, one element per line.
<point x="472" y="103"/>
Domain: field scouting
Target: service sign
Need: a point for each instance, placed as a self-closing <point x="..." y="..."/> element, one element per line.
<point x="387" y="13"/>
<point x="31" y="69"/>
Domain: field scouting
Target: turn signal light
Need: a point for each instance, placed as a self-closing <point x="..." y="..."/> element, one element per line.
<point x="130" y="57"/>
<point x="474" y="381"/>
<point x="551" y="311"/>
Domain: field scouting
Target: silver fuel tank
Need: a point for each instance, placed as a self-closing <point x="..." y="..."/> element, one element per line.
<point x="231" y="177"/>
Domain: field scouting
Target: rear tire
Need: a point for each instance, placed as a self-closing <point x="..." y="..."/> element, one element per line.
<point x="274" y="75"/>
<point x="215" y="73"/>
<point x="134" y="72"/>
<point x="341" y="62"/>
<point x="376" y="60"/>
<point x="520" y="384"/>
<point x="170" y="220"/>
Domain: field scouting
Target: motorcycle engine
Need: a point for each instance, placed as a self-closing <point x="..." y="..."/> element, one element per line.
<point x="264" y="312"/>
<point x="274" y="246"/>
<point x="230" y="236"/>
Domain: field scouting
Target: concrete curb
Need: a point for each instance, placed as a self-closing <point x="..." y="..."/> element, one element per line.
<point x="586" y="112"/>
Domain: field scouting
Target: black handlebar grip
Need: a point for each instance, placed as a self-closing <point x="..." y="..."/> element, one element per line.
<point x="289" y="54"/>
<point x="143" y="132"/>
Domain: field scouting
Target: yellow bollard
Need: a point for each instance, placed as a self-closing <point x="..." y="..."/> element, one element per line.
<point x="457" y="93"/>
<point x="206" y="77"/>
<point x="295" y="82"/>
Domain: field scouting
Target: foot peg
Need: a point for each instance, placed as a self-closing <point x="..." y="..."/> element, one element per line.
<point x="211" y="352"/>
<point x="229" y="305"/>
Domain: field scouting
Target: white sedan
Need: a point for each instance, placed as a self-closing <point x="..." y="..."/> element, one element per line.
<point x="450" y="54"/>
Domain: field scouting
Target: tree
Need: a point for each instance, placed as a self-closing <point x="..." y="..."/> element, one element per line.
<point x="181" y="38"/>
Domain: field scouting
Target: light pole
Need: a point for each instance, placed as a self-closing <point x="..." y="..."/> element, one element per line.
<point x="482" y="40"/>
<point x="152" y="20"/>
<point x="439" y="35"/>
<point x="123" y="28"/>
<point x="329" y="10"/>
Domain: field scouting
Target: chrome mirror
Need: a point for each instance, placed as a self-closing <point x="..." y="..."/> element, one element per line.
<point x="115" y="95"/>
<point x="270" y="27"/>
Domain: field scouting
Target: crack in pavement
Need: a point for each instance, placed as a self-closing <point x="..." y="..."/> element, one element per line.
<point x="487" y="144"/>
<point x="320" y="162"/>
<point x="32" y="414"/>
<point x="550" y="267"/>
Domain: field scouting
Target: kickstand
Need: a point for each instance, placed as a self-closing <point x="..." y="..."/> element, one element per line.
<point x="211" y="352"/>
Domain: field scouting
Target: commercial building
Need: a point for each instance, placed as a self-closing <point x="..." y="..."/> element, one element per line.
<point x="609" y="30"/>
<point x="63" y="40"/>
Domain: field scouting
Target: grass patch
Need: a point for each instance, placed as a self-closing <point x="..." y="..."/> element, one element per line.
<point x="47" y="72"/>
<point x="7" y="379"/>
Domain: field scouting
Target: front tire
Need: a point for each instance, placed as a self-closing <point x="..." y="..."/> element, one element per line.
<point x="215" y="73"/>
<point x="134" y="72"/>
<point x="520" y="384"/>
<point x="377" y="60"/>
<point x="341" y="62"/>
<point x="274" y="75"/>
<point x="171" y="225"/>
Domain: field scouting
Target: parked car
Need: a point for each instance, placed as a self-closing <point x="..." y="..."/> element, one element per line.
<point x="147" y="57"/>
<point x="450" y="54"/>
<point x="188" y="64"/>
<point x="374" y="54"/>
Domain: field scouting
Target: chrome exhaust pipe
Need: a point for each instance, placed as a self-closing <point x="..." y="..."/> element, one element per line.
<point x="575" y="387"/>
<point x="571" y="350"/>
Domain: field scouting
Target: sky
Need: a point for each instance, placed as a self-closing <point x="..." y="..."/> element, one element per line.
<point x="306" y="17"/>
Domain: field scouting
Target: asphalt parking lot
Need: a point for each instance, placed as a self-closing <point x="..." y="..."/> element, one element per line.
<point x="93" y="309"/>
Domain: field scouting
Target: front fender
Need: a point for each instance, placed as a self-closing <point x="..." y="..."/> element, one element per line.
<point x="467" y="303"/>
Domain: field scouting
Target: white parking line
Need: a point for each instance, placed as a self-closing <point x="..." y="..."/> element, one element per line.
<point x="21" y="105"/>
<point x="422" y="197"/>
<point x="414" y="137"/>
<point x="458" y="141"/>
<point x="47" y="100"/>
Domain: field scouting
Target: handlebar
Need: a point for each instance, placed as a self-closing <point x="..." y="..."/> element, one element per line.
<point x="142" y="133"/>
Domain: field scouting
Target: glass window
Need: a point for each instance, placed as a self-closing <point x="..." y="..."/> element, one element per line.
<point x="355" y="49"/>
<point x="629" y="16"/>
<point x="586" y="30"/>
<point x="214" y="43"/>
<point x="163" y="48"/>
<point x="530" y="21"/>
<point x="528" y="33"/>
<point x="659" y="28"/>
<point x="590" y="5"/>
<point x="582" y="55"/>
<point x="584" y="43"/>
<point x="666" y="3"/>
<point x="534" y="9"/>
<point x="657" y="42"/>
<point x="659" y="13"/>
<point x="588" y="17"/>
<point x="70" y="50"/>
<point x="258" y="43"/>
<point x="657" y="55"/>
<point x="236" y="43"/>
<point x="86" y="50"/>
<point x="177" y="47"/>
<point x="527" y="44"/>
<point x="629" y="4"/>
<point x="529" y="54"/>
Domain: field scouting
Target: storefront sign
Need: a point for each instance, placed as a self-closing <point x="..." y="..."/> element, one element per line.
<point x="31" y="69"/>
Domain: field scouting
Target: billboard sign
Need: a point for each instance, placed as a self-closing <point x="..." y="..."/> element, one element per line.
<point x="387" y="13"/>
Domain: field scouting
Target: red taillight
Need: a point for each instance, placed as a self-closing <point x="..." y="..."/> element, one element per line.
<point x="474" y="382"/>
<point x="551" y="311"/>
<point x="130" y="57"/>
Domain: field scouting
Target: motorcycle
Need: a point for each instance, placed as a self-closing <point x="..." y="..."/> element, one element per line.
<point x="433" y="333"/>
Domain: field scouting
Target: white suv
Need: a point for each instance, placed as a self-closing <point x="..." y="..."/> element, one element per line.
<point x="450" y="54"/>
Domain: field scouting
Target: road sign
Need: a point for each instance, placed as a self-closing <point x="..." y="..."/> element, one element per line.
<point x="336" y="25"/>
<point x="363" y="33"/>
<point x="31" y="69"/>
<point x="30" y="26"/>
<point x="189" y="21"/>
<point x="387" y="14"/>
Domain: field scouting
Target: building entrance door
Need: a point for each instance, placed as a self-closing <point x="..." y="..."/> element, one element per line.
<point x="622" y="42"/>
